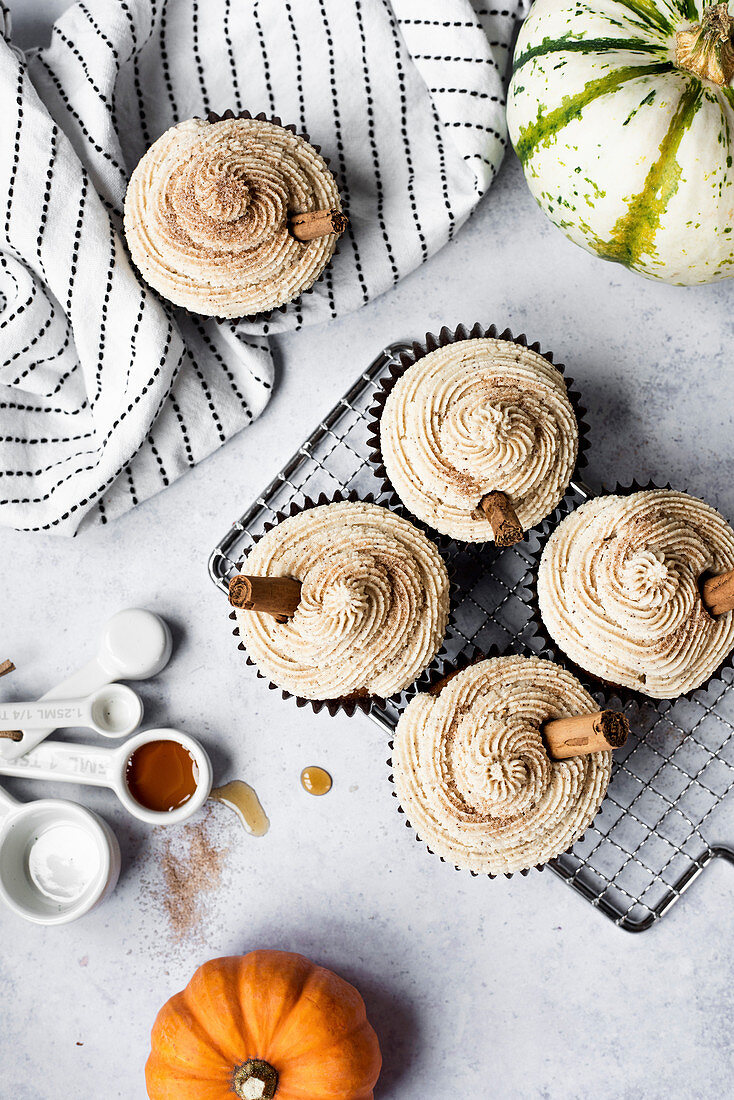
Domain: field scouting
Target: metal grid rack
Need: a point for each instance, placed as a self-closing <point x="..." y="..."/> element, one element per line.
<point x="655" y="832"/>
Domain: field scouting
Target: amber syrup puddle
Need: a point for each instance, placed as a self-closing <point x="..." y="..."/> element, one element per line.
<point x="242" y="798"/>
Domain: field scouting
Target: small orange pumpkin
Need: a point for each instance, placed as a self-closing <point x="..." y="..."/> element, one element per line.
<point x="267" y="1024"/>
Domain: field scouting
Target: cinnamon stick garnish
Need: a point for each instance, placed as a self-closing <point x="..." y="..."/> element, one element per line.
<point x="717" y="593"/>
<point x="11" y="735"/>
<point x="317" y="223"/>
<point x="585" y="733"/>
<point x="502" y="518"/>
<point x="277" y="596"/>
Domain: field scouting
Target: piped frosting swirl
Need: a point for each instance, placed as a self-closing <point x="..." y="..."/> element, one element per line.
<point x="473" y="775"/>
<point x="207" y="209"/>
<point x="618" y="588"/>
<point x="476" y="416"/>
<point x="374" y="603"/>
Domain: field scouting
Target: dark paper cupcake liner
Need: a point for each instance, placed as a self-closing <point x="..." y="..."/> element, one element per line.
<point x="609" y="692"/>
<point x="295" y="303"/>
<point x="349" y="704"/>
<point x="418" y="350"/>
<point x="444" y="671"/>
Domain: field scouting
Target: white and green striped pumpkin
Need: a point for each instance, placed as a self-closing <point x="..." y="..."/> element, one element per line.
<point x="622" y="115"/>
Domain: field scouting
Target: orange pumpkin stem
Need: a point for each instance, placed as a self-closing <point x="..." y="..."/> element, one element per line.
<point x="255" y="1079"/>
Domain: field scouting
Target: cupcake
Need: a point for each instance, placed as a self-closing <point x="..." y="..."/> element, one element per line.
<point x="342" y="601"/>
<point x="473" y="772"/>
<point x="623" y="591"/>
<point x="478" y="436"/>
<point x="232" y="218"/>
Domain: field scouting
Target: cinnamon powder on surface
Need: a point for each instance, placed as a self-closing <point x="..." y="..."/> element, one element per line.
<point x="191" y="868"/>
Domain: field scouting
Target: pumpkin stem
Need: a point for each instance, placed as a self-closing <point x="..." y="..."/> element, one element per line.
<point x="706" y="49"/>
<point x="255" y="1079"/>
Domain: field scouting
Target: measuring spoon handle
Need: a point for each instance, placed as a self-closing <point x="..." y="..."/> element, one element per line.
<point x="135" y="644"/>
<point x="66" y="762"/>
<point x="62" y="713"/>
<point x="86" y="680"/>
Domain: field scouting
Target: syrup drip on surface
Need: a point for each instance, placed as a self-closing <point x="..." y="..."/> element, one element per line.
<point x="315" y="780"/>
<point x="161" y="775"/>
<point x="242" y="798"/>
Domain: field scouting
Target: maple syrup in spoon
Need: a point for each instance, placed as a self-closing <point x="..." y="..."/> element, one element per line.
<point x="161" y="775"/>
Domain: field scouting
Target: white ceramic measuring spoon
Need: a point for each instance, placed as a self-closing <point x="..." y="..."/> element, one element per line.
<point x="107" y="767"/>
<point x="135" y="644"/>
<point x="112" y="711"/>
<point x="57" y="860"/>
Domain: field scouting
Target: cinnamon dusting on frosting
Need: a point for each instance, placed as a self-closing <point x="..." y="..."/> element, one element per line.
<point x="207" y="215"/>
<point x="373" y="609"/>
<point x="473" y="417"/>
<point x="618" y="587"/>
<point x="473" y="774"/>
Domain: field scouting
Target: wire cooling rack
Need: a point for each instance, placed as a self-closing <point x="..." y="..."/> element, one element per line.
<point x="656" y="830"/>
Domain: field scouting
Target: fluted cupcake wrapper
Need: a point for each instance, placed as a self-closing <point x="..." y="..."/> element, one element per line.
<point x="267" y="315"/>
<point x="601" y="689"/>
<point x="444" y="670"/>
<point x="349" y="704"/>
<point x="431" y="342"/>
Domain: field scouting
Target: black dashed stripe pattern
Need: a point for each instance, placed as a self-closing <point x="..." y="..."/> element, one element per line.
<point x="107" y="393"/>
<point x="467" y="79"/>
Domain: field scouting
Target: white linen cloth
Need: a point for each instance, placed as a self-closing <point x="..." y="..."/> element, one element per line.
<point x="108" y="393"/>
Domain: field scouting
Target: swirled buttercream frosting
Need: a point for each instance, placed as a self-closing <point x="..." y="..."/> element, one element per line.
<point x="374" y="603"/>
<point x="618" y="589"/>
<point x="473" y="775"/>
<point x="473" y="417"/>
<point x="207" y="215"/>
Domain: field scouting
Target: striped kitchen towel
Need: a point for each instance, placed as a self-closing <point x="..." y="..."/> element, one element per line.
<point x="107" y="393"/>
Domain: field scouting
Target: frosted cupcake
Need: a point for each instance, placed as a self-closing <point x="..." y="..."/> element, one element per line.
<point x="342" y="601"/>
<point x="232" y="218"/>
<point x="621" y="590"/>
<point x="479" y="438"/>
<point x="473" y="773"/>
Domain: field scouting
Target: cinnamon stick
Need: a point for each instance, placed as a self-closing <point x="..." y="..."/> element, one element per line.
<point x="12" y="735"/>
<point x="317" y="223"/>
<point x="503" y="520"/>
<point x="277" y="596"/>
<point x="717" y="593"/>
<point x="585" y="733"/>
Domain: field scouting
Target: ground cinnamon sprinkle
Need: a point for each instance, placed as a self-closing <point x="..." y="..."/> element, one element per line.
<point x="192" y="868"/>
